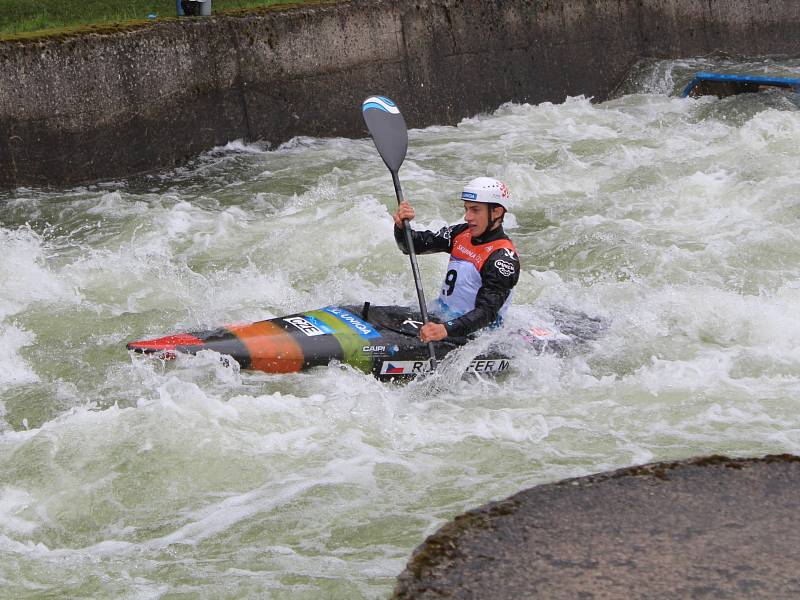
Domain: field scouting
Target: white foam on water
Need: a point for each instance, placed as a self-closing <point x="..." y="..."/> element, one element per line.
<point x="12" y="502"/>
<point x="15" y="369"/>
<point x="24" y="271"/>
<point x="27" y="280"/>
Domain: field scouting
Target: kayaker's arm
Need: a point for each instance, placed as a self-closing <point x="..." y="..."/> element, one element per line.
<point x="499" y="275"/>
<point x="425" y="242"/>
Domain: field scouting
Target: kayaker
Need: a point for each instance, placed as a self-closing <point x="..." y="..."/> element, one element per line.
<point x="484" y="265"/>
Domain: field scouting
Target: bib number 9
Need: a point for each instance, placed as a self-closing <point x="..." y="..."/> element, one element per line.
<point x="450" y="282"/>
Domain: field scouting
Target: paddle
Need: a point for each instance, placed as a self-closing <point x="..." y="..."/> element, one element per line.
<point x="388" y="130"/>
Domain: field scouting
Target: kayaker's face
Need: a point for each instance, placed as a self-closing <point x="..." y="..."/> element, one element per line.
<point x="476" y="214"/>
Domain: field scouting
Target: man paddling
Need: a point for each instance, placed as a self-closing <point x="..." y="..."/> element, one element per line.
<point x="484" y="265"/>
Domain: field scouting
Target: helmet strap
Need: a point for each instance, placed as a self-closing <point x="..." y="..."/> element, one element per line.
<point x="492" y="221"/>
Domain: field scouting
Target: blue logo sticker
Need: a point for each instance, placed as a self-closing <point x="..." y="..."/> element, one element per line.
<point x="363" y="328"/>
<point x="469" y="196"/>
<point x="324" y="327"/>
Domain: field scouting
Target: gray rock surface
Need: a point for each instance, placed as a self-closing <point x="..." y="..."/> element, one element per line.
<point x="705" y="528"/>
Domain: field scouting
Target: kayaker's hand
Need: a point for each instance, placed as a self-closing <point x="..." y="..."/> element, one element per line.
<point x="432" y="332"/>
<point x="404" y="211"/>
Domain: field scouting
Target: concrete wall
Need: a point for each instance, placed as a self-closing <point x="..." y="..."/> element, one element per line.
<point x="107" y="105"/>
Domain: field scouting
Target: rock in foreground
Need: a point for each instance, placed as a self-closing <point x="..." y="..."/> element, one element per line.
<point x="705" y="528"/>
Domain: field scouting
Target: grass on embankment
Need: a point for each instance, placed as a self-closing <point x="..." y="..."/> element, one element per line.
<point x="25" y="16"/>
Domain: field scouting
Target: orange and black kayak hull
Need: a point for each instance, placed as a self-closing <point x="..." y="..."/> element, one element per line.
<point x="381" y="340"/>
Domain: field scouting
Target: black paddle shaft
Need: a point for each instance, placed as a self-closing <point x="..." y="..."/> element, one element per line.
<point x="390" y="135"/>
<point x="423" y="307"/>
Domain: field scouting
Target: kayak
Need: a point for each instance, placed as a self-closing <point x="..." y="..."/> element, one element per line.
<point x="380" y="340"/>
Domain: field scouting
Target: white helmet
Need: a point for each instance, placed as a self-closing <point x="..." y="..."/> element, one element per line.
<point x="487" y="191"/>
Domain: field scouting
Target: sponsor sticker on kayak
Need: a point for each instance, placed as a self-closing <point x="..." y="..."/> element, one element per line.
<point x="489" y="366"/>
<point x="416" y="367"/>
<point x="309" y="325"/>
<point x="324" y="327"/>
<point x="360" y="326"/>
<point x="405" y="367"/>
